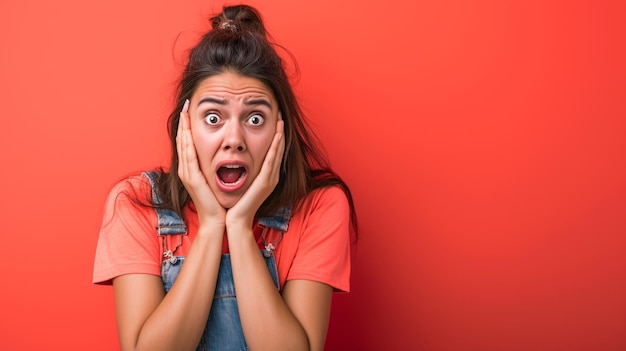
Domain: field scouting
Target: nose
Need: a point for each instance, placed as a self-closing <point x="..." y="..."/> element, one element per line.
<point x="233" y="137"/>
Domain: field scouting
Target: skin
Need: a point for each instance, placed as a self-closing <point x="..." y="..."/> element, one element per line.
<point x="297" y="319"/>
<point x="233" y="121"/>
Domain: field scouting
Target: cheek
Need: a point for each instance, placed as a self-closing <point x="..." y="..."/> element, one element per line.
<point x="261" y="148"/>
<point x="205" y="145"/>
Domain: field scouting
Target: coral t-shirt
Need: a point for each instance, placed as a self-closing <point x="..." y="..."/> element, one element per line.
<point x="315" y="247"/>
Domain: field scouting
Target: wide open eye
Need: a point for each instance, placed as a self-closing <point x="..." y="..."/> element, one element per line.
<point x="212" y="119"/>
<point x="256" y="120"/>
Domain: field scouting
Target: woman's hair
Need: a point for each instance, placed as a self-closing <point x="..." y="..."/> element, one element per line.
<point x="238" y="43"/>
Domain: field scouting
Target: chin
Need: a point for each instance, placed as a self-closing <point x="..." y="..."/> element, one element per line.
<point x="229" y="201"/>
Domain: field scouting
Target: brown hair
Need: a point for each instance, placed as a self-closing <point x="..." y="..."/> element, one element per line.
<point x="239" y="43"/>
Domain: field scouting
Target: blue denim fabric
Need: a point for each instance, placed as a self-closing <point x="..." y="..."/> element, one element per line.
<point x="223" y="330"/>
<point x="168" y="221"/>
<point x="279" y="221"/>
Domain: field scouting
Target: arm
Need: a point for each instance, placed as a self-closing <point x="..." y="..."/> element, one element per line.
<point x="148" y="319"/>
<point x="297" y="320"/>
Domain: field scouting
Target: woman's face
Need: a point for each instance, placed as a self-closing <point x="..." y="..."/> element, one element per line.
<point x="233" y="121"/>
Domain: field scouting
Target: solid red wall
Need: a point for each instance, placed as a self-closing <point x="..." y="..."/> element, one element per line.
<point x="484" y="143"/>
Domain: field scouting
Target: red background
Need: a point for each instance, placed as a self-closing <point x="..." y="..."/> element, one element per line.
<point x="484" y="142"/>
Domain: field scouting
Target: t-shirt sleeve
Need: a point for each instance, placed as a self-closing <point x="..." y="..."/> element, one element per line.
<point x="127" y="242"/>
<point x="323" y="252"/>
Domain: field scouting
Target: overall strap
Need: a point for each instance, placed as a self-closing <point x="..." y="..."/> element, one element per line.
<point x="278" y="221"/>
<point x="169" y="222"/>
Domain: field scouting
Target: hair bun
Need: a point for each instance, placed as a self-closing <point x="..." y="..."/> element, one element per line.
<point x="239" y="18"/>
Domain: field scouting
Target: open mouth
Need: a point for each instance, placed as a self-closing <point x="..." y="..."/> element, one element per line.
<point x="231" y="174"/>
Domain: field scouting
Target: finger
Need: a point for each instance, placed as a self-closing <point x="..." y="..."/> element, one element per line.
<point x="273" y="159"/>
<point x="186" y="131"/>
<point x="192" y="169"/>
<point x="182" y="141"/>
<point x="185" y="111"/>
<point x="179" y="146"/>
<point x="281" y="145"/>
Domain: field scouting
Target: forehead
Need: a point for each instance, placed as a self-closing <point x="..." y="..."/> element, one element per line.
<point x="230" y="85"/>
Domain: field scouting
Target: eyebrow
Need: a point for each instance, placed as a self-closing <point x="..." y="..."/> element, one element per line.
<point x="251" y="102"/>
<point x="260" y="101"/>
<point x="213" y="100"/>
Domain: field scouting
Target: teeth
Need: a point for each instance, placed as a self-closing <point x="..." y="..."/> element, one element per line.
<point x="240" y="177"/>
<point x="238" y="180"/>
<point x="235" y="183"/>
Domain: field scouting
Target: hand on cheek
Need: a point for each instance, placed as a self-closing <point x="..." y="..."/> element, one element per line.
<point x="189" y="172"/>
<point x="243" y="212"/>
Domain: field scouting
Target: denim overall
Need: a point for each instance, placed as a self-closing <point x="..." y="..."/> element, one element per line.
<point x="223" y="329"/>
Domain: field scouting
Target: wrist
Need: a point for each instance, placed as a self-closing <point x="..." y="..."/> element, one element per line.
<point x="238" y="223"/>
<point x="211" y="229"/>
<point x="239" y="229"/>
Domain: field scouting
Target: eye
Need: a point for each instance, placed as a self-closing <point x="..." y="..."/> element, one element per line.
<point x="212" y="118"/>
<point x="256" y="120"/>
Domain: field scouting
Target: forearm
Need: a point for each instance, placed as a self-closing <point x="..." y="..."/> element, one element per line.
<point x="179" y="320"/>
<point x="267" y="321"/>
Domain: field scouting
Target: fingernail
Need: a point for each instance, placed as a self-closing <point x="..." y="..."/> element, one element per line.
<point x="186" y="105"/>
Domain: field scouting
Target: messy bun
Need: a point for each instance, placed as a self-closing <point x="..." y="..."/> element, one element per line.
<point x="239" y="18"/>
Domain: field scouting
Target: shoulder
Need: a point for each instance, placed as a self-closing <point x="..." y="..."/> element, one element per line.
<point x="130" y="194"/>
<point x="330" y="198"/>
<point x="317" y="244"/>
<point x="325" y="211"/>
<point x="134" y="184"/>
<point x="127" y="242"/>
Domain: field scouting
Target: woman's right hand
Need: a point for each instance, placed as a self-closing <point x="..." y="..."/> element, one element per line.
<point x="147" y="317"/>
<point x="207" y="206"/>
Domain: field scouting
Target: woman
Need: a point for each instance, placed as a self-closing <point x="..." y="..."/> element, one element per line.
<point x="248" y="205"/>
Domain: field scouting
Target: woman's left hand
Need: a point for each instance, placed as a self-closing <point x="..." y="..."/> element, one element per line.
<point x="242" y="214"/>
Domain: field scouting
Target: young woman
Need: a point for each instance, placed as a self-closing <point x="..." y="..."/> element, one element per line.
<point x="242" y="241"/>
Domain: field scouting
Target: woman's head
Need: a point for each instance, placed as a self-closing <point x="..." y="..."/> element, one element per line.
<point x="238" y="46"/>
<point x="233" y="120"/>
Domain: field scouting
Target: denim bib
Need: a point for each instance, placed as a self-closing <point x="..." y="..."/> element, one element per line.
<point x="223" y="330"/>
